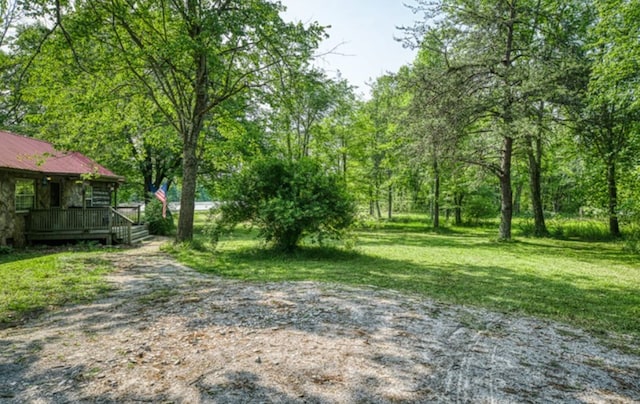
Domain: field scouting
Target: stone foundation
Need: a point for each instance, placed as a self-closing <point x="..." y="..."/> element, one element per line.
<point x="7" y="208"/>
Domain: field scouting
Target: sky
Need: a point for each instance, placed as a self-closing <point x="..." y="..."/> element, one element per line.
<point x="362" y="30"/>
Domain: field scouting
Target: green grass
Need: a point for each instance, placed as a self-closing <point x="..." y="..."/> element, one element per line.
<point x="593" y="285"/>
<point x="33" y="282"/>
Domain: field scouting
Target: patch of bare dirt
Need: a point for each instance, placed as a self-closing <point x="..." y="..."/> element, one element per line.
<point x="170" y="334"/>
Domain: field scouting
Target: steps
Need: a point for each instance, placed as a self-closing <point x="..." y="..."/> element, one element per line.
<point x="139" y="233"/>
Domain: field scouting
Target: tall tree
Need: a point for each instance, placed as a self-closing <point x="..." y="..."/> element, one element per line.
<point x="384" y="114"/>
<point x="299" y="100"/>
<point x="609" y="119"/>
<point x="439" y="114"/>
<point x="102" y="113"/>
<point x="339" y="134"/>
<point x="489" y="45"/>
<point x="191" y="57"/>
<point x="10" y="15"/>
<point x="495" y="46"/>
<point x="557" y="37"/>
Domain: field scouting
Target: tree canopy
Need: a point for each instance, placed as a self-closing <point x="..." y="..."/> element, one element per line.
<point x="511" y="107"/>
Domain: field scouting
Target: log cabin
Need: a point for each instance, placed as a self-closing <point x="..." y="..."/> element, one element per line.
<point x="52" y="195"/>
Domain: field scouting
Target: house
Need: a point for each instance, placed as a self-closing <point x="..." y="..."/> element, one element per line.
<point x="46" y="194"/>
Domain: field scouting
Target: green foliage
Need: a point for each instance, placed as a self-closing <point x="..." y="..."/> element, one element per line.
<point x="287" y="200"/>
<point x="141" y="85"/>
<point x="570" y="229"/>
<point x="632" y="244"/>
<point x="482" y="204"/>
<point x="145" y="87"/>
<point x="6" y="249"/>
<point x="157" y="224"/>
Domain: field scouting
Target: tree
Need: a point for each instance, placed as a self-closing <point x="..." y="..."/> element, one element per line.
<point x="382" y="114"/>
<point x="438" y="116"/>
<point x="505" y="54"/>
<point x="605" y="131"/>
<point x="338" y="129"/>
<point x="298" y="103"/>
<point x="557" y="36"/>
<point x="10" y="14"/>
<point x="190" y="57"/>
<point x="487" y="48"/>
<point x="286" y="200"/>
<point x="102" y="113"/>
<point x="611" y="109"/>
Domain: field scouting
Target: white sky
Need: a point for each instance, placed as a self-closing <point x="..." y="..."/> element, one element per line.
<point x="366" y="30"/>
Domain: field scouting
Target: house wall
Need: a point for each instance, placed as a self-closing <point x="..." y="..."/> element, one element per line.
<point x="13" y="225"/>
<point x="72" y="194"/>
<point x="101" y="194"/>
<point x="7" y="208"/>
<point x="43" y="195"/>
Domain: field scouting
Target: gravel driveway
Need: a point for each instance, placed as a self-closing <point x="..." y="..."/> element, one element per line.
<point x="169" y="334"/>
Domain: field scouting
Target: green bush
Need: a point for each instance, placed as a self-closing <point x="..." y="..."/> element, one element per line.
<point x="158" y="225"/>
<point x="481" y="204"/>
<point x="287" y="200"/>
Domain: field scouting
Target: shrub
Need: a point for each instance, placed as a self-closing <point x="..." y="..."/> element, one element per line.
<point x="157" y="224"/>
<point x="287" y="200"/>
<point x="481" y="204"/>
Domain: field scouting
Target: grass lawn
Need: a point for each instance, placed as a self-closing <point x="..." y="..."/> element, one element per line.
<point x="592" y="285"/>
<point x="32" y="282"/>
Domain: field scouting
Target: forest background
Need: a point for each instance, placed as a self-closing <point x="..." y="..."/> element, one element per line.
<point x="511" y="107"/>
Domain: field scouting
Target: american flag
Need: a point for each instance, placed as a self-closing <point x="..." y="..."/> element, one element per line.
<point x="161" y="194"/>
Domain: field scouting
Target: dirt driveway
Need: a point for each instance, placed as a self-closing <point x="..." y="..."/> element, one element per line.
<point x="169" y="334"/>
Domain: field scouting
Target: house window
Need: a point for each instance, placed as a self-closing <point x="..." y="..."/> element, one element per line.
<point x="25" y="194"/>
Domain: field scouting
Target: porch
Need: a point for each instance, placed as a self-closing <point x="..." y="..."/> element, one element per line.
<point x="120" y="225"/>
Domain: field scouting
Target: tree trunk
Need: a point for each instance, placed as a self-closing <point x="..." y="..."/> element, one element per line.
<point x="458" y="208"/>
<point x="146" y="167"/>
<point x="436" y="195"/>
<point x="534" y="155"/>
<point x="289" y="146"/>
<point x="506" y="194"/>
<point x="614" y="225"/>
<point x="344" y="167"/>
<point x="188" y="197"/>
<point x="390" y="201"/>
<point x="517" y="198"/>
<point x="191" y="131"/>
<point x="148" y="182"/>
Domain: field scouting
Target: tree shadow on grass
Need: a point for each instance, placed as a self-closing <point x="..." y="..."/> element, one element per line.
<point x="608" y="252"/>
<point x="574" y="298"/>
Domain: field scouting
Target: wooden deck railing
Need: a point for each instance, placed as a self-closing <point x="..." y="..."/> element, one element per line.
<point x="132" y="212"/>
<point x="121" y="226"/>
<point x="106" y="222"/>
<point x="51" y="220"/>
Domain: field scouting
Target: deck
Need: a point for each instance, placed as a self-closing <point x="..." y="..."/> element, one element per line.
<point x="121" y="225"/>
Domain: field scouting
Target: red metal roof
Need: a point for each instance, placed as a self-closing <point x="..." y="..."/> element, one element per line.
<point x="25" y="153"/>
